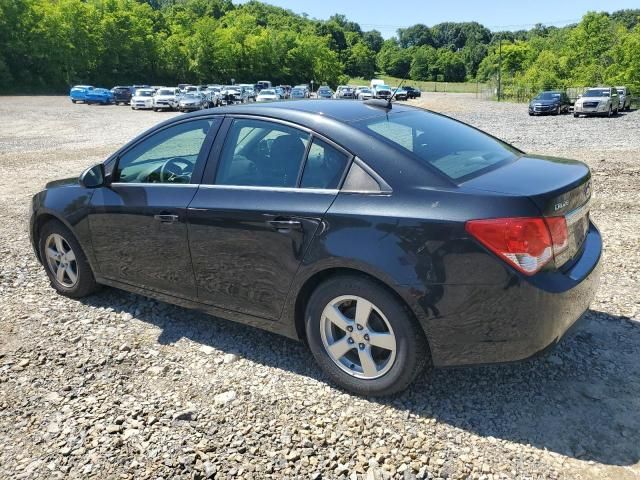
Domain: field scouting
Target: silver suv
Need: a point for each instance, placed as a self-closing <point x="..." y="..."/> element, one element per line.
<point x="625" y="98"/>
<point x="602" y="101"/>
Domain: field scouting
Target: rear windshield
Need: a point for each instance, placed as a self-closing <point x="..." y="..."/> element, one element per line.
<point x="455" y="149"/>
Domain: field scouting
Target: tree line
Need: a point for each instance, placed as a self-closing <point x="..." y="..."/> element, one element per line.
<point x="48" y="45"/>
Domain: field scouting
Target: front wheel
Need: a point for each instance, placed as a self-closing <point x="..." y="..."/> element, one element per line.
<point x="64" y="261"/>
<point x="363" y="337"/>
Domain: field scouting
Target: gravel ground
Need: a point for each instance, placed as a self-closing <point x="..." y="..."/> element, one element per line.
<point x="119" y="386"/>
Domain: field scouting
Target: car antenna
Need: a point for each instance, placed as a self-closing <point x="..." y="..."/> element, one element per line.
<point x="397" y="88"/>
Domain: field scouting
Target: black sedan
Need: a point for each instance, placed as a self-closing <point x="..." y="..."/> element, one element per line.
<point x="387" y="238"/>
<point x="552" y="102"/>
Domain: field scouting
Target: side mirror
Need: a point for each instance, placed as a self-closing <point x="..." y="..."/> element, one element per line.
<point x="93" y="177"/>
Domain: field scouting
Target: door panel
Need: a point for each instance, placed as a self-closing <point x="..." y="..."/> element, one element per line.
<point x="246" y="243"/>
<point x="133" y="246"/>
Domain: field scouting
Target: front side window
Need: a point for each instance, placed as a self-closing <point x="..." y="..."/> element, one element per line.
<point x="168" y="156"/>
<point x="324" y="166"/>
<point x="455" y="149"/>
<point x="261" y="153"/>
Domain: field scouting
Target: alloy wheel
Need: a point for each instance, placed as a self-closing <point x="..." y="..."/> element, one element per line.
<point x="358" y="337"/>
<point x="61" y="260"/>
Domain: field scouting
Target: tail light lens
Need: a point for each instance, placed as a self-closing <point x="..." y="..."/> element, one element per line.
<point x="527" y="244"/>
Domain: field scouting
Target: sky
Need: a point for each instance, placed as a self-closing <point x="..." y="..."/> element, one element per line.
<point x="387" y="17"/>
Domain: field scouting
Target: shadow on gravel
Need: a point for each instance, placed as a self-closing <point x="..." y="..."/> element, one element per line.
<point x="580" y="400"/>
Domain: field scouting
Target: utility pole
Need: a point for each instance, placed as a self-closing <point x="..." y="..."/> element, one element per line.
<point x="500" y="68"/>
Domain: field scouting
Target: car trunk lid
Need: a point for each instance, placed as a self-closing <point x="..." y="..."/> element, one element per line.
<point x="558" y="187"/>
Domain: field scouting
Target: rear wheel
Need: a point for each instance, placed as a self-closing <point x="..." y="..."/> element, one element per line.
<point x="65" y="262"/>
<point x="73" y="101"/>
<point x="610" y="112"/>
<point x="363" y="337"/>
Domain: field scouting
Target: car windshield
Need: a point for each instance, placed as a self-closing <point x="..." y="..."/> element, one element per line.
<point x="165" y="92"/>
<point x="296" y="91"/>
<point x="548" y="96"/>
<point x="600" y="92"/>
<point x="324" y="89"/>
<point x="192" y="95"/>
<point x="268" y="92"/>
<point x="455" y="149"/>
<point x="365" y="90"/>
<point x="144" y="93"/>
<point x="621" y="91"/>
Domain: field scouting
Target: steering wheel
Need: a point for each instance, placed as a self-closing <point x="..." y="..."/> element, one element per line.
<point x="172" y="170"/>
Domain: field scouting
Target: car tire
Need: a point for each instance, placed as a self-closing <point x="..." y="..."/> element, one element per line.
<point x="390" y="370"/>
<point x="557" y="112"/>
<point x="73" y="101"/>
<point x="55" y="237"/>
<point x="610" y="112"/>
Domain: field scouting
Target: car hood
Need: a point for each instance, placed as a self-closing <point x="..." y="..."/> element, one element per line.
<point x="63" y="182"/>
<point x="165" y="97"/>
<point x="593" y="99"/>
<point x="136" y="97"/>
<point x="541" y="178"/>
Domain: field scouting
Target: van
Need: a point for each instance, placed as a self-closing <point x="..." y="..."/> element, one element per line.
<point x="376" y="82"/>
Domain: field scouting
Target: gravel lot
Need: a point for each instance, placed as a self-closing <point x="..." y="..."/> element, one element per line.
<point x="119" y="386"/>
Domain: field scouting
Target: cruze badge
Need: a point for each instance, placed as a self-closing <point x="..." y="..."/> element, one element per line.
<point x="561" y="205"/>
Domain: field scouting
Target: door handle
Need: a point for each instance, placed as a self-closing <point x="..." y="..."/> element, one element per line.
<point x="166" y="218"/>
<point x="288" y="224"/>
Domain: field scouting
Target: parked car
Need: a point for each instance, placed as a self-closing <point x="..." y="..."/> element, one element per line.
<point x="365" y="94"/>
<point x="250" y="91"/>
<point x="213" y="96"/>
<point x="602" y="101"/>
<point x="305" y="89"/>
<point x="382" y="91"/>
<point x="385" y="252"/>
<point x="263" y="84"/>
<point x="325" y="92"/>
<point x="134" y="88"/>
<point x="345" y="91"/>
<point x="231" y="94"/>
<point x="142" y="99"/>
<point x="413" y="92"/>
<point x="625" y="98"/>
<point x="554" y="102"/>
<point x="103" y="96"/>
<point x="287" y="90"/>
<point x="400" y="93"/>
<point x="298" y="93"/>
<point x="190" y="101"/>
<point x="166" y="99"/>
<point x="79" y="93"/>
<point x="121" y="95"/>
<point x="268" y="95"/>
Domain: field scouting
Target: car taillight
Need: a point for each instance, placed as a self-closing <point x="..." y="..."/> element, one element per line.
<point x="527" y="244"/>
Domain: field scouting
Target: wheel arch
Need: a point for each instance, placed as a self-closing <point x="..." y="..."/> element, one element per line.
<point x="313" y="281"/>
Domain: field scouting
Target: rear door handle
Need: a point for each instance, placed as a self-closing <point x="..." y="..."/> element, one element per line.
<point x="166" y="218"/>
<point x="288" y="224"/>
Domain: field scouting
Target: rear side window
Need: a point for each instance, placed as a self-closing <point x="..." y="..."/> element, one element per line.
<point x="455" y="149"/>
<point x="324" y="167"/>
<point x="261" y="153"/>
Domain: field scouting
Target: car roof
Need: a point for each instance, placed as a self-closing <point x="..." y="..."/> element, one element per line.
<point x="307" y="112"/>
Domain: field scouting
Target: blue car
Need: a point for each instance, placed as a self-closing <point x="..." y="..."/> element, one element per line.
<point x="99" y="95"/>
<point x="79" y="93"/>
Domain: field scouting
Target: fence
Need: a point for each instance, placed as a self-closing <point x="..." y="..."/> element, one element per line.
<point x="524" y="93"/>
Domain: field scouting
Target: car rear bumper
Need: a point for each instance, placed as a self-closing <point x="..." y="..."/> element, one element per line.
<point x="479" y="324"/>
